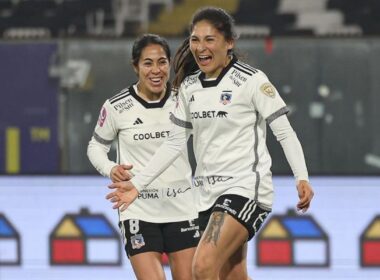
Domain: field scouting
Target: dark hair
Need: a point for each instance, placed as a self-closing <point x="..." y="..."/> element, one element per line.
<point x="146" y="40"/>
<point x="184" y="62"/>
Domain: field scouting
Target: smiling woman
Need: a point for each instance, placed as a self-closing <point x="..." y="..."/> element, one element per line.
<point x="209" y="48"/>
<point x="138" y="118"/>
<point x="152" y="68"/>
<point x="227" y="105"/>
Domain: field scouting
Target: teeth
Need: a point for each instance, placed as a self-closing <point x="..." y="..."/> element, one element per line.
<point x="202" y="57"/>
<point x="155" y="79"/>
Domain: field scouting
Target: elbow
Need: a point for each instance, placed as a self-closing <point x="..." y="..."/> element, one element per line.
<point x="286" y="135"/>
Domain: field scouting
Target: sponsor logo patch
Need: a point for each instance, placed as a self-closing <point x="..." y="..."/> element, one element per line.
<point x="102" y="116"/>
<point x="209" y="114"/>
<point x="123" y="105"/>
<point x="268" y="89"/>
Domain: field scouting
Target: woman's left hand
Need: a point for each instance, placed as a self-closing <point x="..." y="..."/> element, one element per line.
<point x="305" y="193"/>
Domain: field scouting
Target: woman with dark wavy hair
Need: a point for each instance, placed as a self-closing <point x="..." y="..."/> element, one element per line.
<point x="226" y="104"/>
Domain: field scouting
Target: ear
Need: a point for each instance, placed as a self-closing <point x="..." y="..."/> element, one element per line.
<point x="230" y="45"/>
<point x="136" y="69"/>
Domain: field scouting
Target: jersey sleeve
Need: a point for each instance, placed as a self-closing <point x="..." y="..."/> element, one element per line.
<point x="266" y="99"/>
<point x="288" y="139"/>
<point x="163" y="157"/>
<point x="101" y="141"/>
<point x="171" y="148"/>
<point x="181" y="114"/>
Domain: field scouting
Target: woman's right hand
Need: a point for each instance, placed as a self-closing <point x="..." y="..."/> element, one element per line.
<point x="120" y="173"/>
<point x="123" y="194"/>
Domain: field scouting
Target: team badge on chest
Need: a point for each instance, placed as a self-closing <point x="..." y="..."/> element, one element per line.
<point x="225" y="97"/>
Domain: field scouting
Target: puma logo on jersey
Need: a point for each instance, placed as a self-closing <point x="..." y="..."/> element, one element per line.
<point x="138" y="121"/>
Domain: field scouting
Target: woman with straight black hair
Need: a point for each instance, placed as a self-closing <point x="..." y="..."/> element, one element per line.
<point x="164" y="217"/>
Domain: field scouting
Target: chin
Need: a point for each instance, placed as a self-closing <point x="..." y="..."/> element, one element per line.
<point x="157" y="90"/>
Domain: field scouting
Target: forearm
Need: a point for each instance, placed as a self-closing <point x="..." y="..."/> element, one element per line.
<point x="163" y="158"/>
<point x="292" y="147"/>
<point x="98" y="156"/>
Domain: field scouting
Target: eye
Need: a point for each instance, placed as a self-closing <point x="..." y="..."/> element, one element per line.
<point x="163" y="62"/>
<point x="147" y="63"/>
<point x="194" y="39"/>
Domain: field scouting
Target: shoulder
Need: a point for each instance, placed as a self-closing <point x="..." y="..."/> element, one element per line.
<point x="120" y="102"/>
<point x="191" y="79"/>
<point x="244" y="68"/>
<point x="119" y="96"/>
<point x="253" y="75"/>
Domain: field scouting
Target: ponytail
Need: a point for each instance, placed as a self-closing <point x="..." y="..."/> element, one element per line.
<point x="183" y="63"/>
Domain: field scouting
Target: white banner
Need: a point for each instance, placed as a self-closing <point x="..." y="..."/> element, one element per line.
<point x="62" y="227"/>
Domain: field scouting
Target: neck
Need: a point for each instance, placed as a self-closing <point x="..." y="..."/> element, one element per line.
<point x="216" y="73"/>
<point x="148" y="95"/>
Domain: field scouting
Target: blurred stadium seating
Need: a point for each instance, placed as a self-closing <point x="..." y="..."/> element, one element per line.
<point x="123" y="18"/>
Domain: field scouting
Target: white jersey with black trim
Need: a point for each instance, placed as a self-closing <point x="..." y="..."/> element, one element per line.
<point x="140" y="128"/>
<point x="228" y="117"/>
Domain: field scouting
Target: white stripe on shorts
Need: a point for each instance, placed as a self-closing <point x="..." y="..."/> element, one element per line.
<point x="247" y="207"/>
<point x="122" y="231"/>
<point x="250" y="213"/>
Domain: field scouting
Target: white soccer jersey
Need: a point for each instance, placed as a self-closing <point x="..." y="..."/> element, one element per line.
<point x="140" y="128"/>
<point x="228" y="117"/>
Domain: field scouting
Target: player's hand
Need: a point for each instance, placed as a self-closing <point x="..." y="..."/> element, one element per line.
<point x="305" y="193"/>
<point x="123" y="194"/>
<point x="120" y="173"/>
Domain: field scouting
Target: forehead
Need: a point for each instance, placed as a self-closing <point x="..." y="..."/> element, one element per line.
<point x="205" y="28"/>
<point x="153" y="51"/>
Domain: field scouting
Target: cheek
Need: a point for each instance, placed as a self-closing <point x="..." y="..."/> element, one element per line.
<point x="165" y="70"/>
<point x="192" y="48"/>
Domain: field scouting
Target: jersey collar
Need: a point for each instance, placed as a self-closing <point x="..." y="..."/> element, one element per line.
<point x="154" y="104"/>
<point x="214" y="83"/>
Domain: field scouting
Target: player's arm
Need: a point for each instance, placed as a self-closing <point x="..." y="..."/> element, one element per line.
<point x="124" y="193"/>
<point x="100" y="144"/>
<point x="288" y="139"/>
<point x="271" y="106"/>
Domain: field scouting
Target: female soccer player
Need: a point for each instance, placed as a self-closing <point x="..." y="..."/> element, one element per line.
<point x="226" y="105"/>
<point x="164" y="217"/>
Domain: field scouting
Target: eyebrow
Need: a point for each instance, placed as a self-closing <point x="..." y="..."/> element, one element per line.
<point x="160" y="58"/>
<point x="207" y="36"/>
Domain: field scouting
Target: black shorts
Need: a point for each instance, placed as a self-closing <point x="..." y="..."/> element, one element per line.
<point x="140" y="236"/>
<point x="244" y="210"/>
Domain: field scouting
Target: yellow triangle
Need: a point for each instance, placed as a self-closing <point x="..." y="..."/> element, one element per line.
<point x="374" y="230"/>
<point x="274" y="230"/>
<point x="68" y="229"/>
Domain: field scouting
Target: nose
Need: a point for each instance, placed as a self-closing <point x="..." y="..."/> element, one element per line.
<point x="200" y="46"/>
<point x="155" y="68"/>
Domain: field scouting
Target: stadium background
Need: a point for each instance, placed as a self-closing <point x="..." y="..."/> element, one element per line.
<point x="59" y="61"/>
